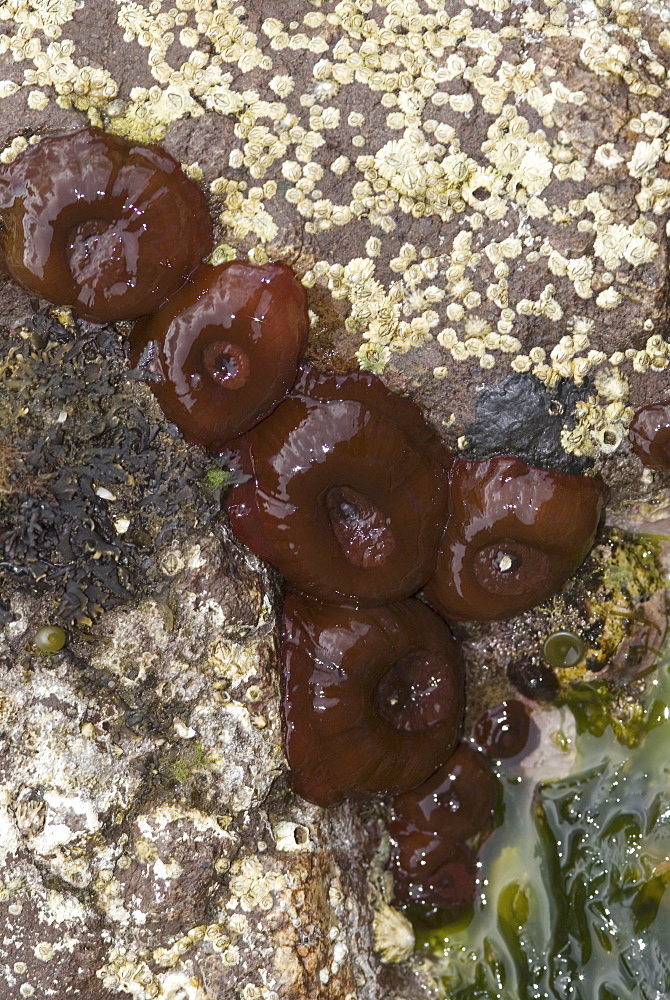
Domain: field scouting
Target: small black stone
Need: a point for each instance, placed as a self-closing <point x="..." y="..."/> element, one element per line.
<point x="520" y="417"/>
<point x="533" y="679"/>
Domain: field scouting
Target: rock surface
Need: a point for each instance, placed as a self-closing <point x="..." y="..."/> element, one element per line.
<point x="476" y="198"/>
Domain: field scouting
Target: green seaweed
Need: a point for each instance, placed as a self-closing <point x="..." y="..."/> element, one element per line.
<point x="182" y="769"/>
<point x="217" y="478"/>
<point x="574" y="903"/>
<point x="592" y="704"/>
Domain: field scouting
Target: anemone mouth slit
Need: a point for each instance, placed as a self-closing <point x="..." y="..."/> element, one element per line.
<point x="360" y="528"/>
<point x="415" y="693"/>
<point x="227" y="364"/>
<point x="509" y="567"/>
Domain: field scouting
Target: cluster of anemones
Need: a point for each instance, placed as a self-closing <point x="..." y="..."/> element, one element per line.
<point x="348" y="492"/>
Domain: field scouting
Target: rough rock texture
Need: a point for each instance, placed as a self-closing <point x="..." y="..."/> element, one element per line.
<point x="144" y="846"/>
<point x="476" y="197"/>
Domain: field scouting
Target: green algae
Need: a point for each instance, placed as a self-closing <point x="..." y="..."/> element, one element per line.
<point x="216" y="478"/>
<point x="574" y="903"/>
<point x="626" y="573"/>
<point x="594" y="704"/>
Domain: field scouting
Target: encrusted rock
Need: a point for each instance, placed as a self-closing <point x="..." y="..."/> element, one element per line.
<point x="476" y="198"/>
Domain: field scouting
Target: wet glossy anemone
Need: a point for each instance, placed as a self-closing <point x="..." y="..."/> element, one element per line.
<point x="650" y="435"/>
<point x="224" y="349"/>
<point x="437" y="877"/>
<point x="107" y="226"/>
<point x="456" y="801"/>
<point x="533" y="679"/>
<point x="372" y="699"/>
<point x="431" y="862"/>
<point x="347" y="492"/>
<point x="514" y="536"/>
<point x="504" y="731"/>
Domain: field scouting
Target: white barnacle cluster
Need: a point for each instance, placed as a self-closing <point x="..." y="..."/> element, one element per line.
<point x="653" y="357"/>
<point x="124" y="972"/>
<point x="45" y="16"/>
<point x="455" y="130"/>
<point x="35" y="40"/>
<point x="253" y="887"/>
<point x="128" y="974"/>
<point x="245" y="212"/>
<point x="214" y="934"/>
<point x="606" y="56"/>
<point x="603" y="418"/>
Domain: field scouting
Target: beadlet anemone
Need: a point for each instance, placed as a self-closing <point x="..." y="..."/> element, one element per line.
<point x="504" y="730"/>
<point x="434" y="831"/>
<point x="101" y="224"/>
<point x="372" y="698"/>
<point x="224" y="349"/>
<point x="347" y="490"/>
<point x="650" y="435"/>
<point x="515" y="534"/>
